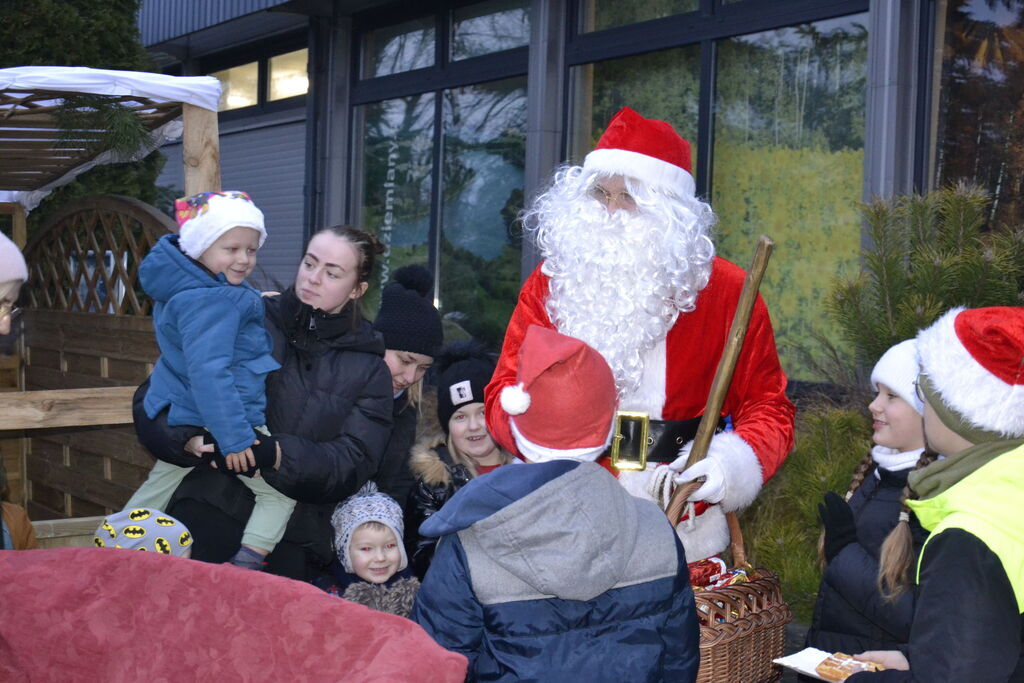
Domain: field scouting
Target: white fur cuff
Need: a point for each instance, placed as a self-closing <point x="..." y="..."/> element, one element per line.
<point x="744" y="477"/>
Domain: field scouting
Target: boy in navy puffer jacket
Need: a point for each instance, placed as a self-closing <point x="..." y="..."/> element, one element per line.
<point x="554" y="572"/>
<point x="215" y="355"/>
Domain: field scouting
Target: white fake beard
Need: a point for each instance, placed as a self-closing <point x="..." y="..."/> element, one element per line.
<point x="619" y="281"/>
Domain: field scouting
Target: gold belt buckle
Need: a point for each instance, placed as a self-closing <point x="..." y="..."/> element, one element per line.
<point x="622" y="461"/>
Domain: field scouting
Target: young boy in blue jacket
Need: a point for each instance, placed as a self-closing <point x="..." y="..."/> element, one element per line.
<point x="215" y="354"/>
<point x="554" y="572"/>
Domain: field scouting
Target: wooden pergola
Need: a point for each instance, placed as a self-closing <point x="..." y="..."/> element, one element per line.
<point x="37" y="155"/>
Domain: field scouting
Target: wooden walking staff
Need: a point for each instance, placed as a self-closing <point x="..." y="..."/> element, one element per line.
<point x="723" y="375"/>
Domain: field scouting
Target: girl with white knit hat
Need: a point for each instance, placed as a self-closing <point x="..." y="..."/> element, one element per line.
<point x="850" y="614"/>
<point x="969" y="575"/>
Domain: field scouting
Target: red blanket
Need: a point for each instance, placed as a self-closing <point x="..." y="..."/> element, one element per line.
<point x="92" y="614"/>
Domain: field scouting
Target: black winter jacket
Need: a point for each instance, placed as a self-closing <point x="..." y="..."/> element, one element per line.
<point x="967" y="626"/>
<point x="437" y="480"/>
<point x="329" y="406"/>
<point x="850" y="614"/>
<point x="394" y="476"/>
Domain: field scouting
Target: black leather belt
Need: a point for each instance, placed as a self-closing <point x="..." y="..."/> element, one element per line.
<point x="640" y="440"/>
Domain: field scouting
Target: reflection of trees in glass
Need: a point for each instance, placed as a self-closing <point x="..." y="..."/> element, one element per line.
<point x="483" y="179"/>
<point x="796" y="87"/>
<point x="486" y="27"/>
<point x="397" y="158"/>
<point x="788" y="162"/>
<point x="981" y="107"/>
<point x="596" y="15"/>
<point x="662" y="85"/>
<point x="399" y="48"/>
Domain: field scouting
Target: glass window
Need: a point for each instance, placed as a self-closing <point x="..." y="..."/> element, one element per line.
<point x="398" y="141"/>
<point x="239" y="86"/>
<point x="979" y="138"/>
<point x="490" y="27"/>
<point x="789" y="161"/>
<point x="668" y="90"/>
<point x="596" y="15"/>
<point x="484" y="150"/>
<point x="288" y="75"/>
<point x="399" y="48"/>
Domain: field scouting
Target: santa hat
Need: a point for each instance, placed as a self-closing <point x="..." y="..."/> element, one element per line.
<point x="972" y="362"/>
<point x="204" y="217"/>
<point x="897" y="369"/>
<point x="367" y="505"/>
<point x="12" y="263"/>
<point x="143" y="529"/>
<point x="646" y="149"/>
<point x="564" y="404"/>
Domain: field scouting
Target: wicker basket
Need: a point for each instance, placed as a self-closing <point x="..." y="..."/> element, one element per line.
<point x="746" y="624"/>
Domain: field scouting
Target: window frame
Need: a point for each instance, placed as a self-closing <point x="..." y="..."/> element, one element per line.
<point x="444" y="74"/>
<point x="712" y="22"/>
<point x="260" y="54"/>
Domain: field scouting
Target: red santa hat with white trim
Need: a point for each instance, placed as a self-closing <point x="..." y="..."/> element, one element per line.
<point x="646" y="149"/>
<point x="972" y="360"/>
<point x="563" y="406"/>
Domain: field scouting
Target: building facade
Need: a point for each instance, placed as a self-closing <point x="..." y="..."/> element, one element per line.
<point x="430" y="123"/>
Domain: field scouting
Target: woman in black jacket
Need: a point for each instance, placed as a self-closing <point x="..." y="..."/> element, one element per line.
<point x="329" y="409"/>
<point x="412" y="332"/>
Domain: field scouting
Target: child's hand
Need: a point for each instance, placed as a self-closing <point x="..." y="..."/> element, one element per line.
<point x="241" y="462"/>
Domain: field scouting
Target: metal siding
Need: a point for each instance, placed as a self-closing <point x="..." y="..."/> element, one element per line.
<point x="270" y="164"/>
<point x="161" y="20"/>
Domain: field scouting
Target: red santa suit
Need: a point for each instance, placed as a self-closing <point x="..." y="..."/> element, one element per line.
<point x="677" y="380"/>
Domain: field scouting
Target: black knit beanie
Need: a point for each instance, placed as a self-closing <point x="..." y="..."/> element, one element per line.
<point x="407" y="319"/>
<point x="464" y="369"/>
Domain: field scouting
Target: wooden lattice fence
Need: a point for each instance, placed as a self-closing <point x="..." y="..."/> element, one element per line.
<point x="88" y="325"/>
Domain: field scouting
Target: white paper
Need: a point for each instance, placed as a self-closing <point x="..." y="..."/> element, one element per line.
<point x="805" y="661"/>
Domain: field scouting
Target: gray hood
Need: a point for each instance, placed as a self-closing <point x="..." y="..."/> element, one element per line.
<point x="574" y="538"/>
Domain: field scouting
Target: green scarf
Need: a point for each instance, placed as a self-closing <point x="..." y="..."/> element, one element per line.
<point x="943" y="473"/>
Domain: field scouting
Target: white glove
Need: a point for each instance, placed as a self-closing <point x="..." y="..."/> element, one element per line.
<point x="660" y="485"/>
<point x="713" y="488"/>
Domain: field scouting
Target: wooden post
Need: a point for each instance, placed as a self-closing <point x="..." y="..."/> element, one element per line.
<point x="200" y="150"/>
<point x="17" y="212"/>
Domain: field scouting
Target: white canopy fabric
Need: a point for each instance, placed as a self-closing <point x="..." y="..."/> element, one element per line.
<point x="201" y="91"/>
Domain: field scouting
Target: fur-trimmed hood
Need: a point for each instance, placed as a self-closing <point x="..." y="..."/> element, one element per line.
<point x="430" y="461"/>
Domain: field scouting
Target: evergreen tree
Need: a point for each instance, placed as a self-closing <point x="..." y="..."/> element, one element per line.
<point x="101" y="35"/>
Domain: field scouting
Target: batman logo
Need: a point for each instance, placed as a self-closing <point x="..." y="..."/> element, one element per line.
<point x="109" y="529"/>
<point x="143" y="548"/>
<point x="185" y="539"/>
<point x="139" y="514"/>
<point x="164" y="521"/>
<point x="99" y="542"/>
<point x="134" y="531"/>
<point x="162" y="546"/>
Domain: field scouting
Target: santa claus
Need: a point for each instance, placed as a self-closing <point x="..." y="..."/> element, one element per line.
<point x="629" y="267"/>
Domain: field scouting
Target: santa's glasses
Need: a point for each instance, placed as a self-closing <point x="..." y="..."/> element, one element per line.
<point x="623" y="200"/>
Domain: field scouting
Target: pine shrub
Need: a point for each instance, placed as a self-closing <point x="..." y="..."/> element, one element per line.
<point x="925" y="255"/>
